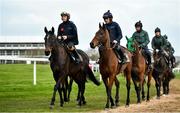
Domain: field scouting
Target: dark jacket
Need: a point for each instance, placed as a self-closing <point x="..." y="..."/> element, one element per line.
<point x="114" y="31"/>
<point x="68" y="29"/>
<point x="158" y="43"/>
<point x="142" y="38"/>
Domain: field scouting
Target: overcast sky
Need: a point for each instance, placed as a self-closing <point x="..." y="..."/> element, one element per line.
<point x="28" y="17"/>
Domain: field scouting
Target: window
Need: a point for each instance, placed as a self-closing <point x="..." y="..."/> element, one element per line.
<point x="22" y="52"/>
<point x="2" y="45"/>
<point x="8" y="45"/>
<point x="22" y="45"/>
<point x="15" y="45"/>
<point x="35" y="45"/>
<point x="16" y="52"/>
<point x="9" y="52"/>
<point x="28" y="45"/>
<point x="2" y="52"/>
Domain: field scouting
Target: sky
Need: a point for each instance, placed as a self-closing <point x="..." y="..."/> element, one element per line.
<point x="26" y="19"/>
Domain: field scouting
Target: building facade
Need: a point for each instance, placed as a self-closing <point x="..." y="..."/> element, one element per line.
<point x="21" y="49"/>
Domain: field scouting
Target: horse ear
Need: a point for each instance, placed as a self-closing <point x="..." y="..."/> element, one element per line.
<point x="52" y="30"/>
<point x="104" y="26"/>
<point x="45" y="30"/>
<point x="100" y="25"/>
<point x="126" y="38"/>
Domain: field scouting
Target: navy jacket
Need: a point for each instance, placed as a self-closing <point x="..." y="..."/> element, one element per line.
<point x="114" y="31"/>
<point x="68" y="29"/>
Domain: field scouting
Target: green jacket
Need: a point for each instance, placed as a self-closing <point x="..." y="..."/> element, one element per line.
<point x="142" y="38"/>
<point x="158" y="42"/>
<point x="169" y="47"/>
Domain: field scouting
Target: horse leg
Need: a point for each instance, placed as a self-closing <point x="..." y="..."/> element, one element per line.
<point x="70" y="88"/>
<point x="111" y="80"/>
<point x="61" y="96"/>
<point x="137" y="91"/>
<point x="158" y="88"/>
<point x="56" y="86"/>
<point x="128" y="86"/>
<point x="148" y="86"/>
<point x="105" y="80"/>
<point x="117" y="92"/>
<point x="164" y="87"/>
<point x="82" y="96"/>
<point x="80" y="86"/>
<point x="168" y="87"/>
<point x="65" y="88"/>
<point x="142" y="92"/>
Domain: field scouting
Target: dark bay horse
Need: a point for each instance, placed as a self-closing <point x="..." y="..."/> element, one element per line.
<point x="110" y="67"/>
<point x="162" y="73"/>
<point x="63" y="66"/>
<point x="139" y="69"/>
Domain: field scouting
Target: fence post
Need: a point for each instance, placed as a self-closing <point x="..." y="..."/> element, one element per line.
<point x="34" y="75"/>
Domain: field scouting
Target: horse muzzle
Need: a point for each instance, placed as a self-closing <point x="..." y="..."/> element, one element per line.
<point x="92" y="45"/>
<point x="47" y="52"/>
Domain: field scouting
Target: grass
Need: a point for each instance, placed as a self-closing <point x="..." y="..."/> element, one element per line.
<point x="17" y="92"/>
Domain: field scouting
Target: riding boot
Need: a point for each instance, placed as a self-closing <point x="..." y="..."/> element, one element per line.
<point x="77" y="57"/>
<point x="122" y="56"/>
<point x="149" y="62"/>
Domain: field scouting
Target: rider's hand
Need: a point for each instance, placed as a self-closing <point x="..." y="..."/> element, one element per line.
<point x="115" y="42"/>
<point x="59" y="37"/>
<point x="64" y="37"/>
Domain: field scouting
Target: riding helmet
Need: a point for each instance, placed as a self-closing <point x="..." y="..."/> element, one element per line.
<point x="107" y="14"/>
<point x="157" y="30"/>
<point x="65" y="14"/>
<point x="138" y="24"/>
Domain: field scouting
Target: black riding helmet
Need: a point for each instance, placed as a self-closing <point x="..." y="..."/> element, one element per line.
<point x="138" y="24"/>
<point x="157" y="30"/>
<point x="107" y="14"/>
<point x="65" y="14"/>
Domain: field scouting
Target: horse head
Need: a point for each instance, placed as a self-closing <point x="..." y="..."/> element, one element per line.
<point x="101" y="37"/>
<point x="50" y="39"/>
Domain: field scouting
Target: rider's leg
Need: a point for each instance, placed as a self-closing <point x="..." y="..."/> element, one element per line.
<point x="73" y="50"/>
<point x="122" y="55"/>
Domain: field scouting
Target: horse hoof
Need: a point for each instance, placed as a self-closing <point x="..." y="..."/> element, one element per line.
<point x="164" y="95"/>
<point x="117" y="104"/>
<point x="158" y="98"/>
<point x="112" y="107"/>
<point x="126" y="106"/>
<point x="51" y="106"/>
<point x="147" y="100"/>
<point x="84" y="102"/>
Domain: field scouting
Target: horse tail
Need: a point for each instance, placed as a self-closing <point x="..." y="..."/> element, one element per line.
<point x="91" y="76"/>
<point x="177" y="63"/>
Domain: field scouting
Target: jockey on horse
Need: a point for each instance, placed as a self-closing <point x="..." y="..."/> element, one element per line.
<point x="67" y="32"/>
<point x="171" y="51"/>
<point x="115" y="35"/>
<point x="142" y="38"/>
<point x="163" y="45"/>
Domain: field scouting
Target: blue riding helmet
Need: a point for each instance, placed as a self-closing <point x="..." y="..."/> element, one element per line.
<point x="107" y="14"/>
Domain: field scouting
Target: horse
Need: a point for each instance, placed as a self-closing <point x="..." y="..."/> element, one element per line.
<point x="162" y="73"/>
<point x="63" y="66"/>
<point x="110" y="67"/>
<point x="139" y="69"/>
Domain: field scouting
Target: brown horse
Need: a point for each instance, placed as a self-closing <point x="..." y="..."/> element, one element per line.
<point x="109" y="65"/>
<point x="63" y="66"/>
<point x="139" y="69"/>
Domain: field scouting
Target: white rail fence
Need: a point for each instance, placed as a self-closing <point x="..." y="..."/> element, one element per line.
<point x="93" y="65"/>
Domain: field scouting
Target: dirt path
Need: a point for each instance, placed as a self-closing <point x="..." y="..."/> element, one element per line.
<point x="169" y="103"/>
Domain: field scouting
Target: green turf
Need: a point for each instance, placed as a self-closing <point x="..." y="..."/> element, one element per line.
<point x="17" y="92"/>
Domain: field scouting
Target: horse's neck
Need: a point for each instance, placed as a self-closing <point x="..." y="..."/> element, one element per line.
<point x="107" y="37"/>
<point x="137" y="56"/>
<point x="106" y="54"/>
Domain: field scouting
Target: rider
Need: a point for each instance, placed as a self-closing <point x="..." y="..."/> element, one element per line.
<point x="67" y="32"/>
<point x="159" y="42"/>
<point x="115" y="34"/>
<point x="142" y="38"/>
<point x="170" y="50"/>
